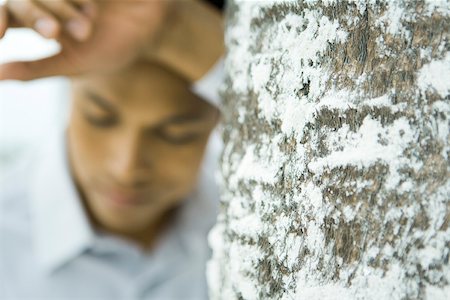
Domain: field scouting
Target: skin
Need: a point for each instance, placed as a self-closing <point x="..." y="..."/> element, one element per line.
<point x="136" y="140"/>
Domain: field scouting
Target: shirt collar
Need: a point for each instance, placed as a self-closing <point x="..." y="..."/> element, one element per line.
<point x="61" y="230"/>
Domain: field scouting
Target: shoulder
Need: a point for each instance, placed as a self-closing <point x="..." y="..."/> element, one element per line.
<point x="16" y="243"/>
<point x="15" y="191"/>
<point x="15" y="194"/>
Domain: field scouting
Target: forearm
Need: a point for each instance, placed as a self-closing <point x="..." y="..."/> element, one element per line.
<point x="191" y="41"/>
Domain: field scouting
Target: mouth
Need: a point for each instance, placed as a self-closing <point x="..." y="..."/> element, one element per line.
<point x="124" y="199"/>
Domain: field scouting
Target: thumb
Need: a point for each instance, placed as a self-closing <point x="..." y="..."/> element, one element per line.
<point x="56" y="65"/>
<point x="3" y="20"/>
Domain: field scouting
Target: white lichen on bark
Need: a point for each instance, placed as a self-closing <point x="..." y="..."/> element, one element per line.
<point x="335" y="173"/>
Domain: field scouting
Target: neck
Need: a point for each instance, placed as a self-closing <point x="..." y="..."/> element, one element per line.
<point x="148" y="238"/>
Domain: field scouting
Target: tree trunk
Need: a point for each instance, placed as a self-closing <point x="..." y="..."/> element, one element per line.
<point x="335" y="172"/>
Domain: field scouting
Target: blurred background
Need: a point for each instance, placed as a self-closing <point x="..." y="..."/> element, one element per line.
<point x="28" y="111"/>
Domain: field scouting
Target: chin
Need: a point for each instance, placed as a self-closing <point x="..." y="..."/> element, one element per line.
<point x="127" y="215"/>
<point x="120" y="218"/>
<point x="125" y="221"/>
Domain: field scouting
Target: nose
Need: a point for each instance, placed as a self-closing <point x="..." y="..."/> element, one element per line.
<point x="131" y="165"/>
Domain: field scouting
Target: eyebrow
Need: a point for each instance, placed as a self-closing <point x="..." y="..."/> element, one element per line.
<point x="100" y="101"/>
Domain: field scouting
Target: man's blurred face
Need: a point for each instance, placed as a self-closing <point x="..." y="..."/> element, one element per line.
<point x="136" y="141"/>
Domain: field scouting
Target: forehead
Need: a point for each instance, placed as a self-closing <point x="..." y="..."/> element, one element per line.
<point x="142" y="89"/>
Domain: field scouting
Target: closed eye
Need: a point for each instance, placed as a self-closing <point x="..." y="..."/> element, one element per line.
<point x="179" y="139"/>
<point x="101" y="122"/>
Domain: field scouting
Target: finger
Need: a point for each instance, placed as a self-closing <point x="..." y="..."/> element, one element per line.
<point x="52" y="66"/>
<point x="10" y="21"/>
<point x="88" y="7"/>
<point x="75" y="22"/>
<point x="3" y="20"/>
<point x="30" y="15"/>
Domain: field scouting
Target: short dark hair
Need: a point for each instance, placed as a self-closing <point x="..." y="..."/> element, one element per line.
<point x="217" y="3"/>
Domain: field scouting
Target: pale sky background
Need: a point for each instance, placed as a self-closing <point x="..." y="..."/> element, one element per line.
<point x="29" y="112"/>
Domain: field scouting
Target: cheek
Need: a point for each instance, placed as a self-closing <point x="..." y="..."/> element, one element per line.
<point x="86" y="147"/>
<point x="181" y="164"/>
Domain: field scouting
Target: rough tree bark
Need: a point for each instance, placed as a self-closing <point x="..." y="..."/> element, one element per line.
<point x="335" y="172"/>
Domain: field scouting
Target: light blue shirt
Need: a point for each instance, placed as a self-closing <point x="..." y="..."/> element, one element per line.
<point x="49" y="250"/>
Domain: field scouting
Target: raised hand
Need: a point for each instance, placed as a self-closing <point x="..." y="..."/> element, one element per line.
<point x="94" y="37"/>
<point x="50" y="17"/>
